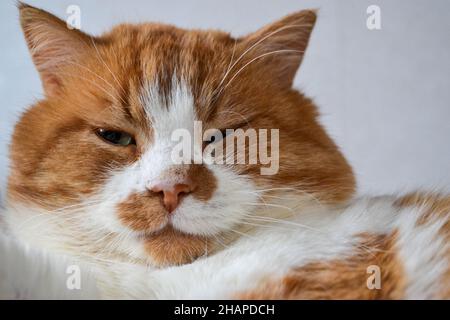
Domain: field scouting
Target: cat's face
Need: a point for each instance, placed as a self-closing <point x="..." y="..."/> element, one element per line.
<point x="97" y="152"/>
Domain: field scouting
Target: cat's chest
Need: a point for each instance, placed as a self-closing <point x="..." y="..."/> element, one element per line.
<point x="274" y="252"/>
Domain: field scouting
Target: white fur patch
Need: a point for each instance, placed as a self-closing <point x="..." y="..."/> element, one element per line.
<point x="423" y="252"/>
<point x="28" y="273"/>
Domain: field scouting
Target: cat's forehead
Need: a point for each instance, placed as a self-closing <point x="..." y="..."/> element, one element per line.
<point x="137" y="69"/>
<point x="159" y="48"/>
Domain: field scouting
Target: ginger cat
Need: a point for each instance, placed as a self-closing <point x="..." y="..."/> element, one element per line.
<point x="92" y="177"/>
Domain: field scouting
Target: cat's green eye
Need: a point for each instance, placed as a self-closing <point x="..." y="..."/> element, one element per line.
<point x="118" y="138"/>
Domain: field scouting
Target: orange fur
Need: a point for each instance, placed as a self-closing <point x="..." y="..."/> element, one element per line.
<point x="171" y="247"/>
<point x="344" y="278"/>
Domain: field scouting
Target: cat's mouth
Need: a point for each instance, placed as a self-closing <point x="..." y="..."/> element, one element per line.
<point x="161" y="230"/>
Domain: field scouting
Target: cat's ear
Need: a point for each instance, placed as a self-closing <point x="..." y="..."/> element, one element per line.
<point x="52" y="44"/>
<point x="279" y="47"/>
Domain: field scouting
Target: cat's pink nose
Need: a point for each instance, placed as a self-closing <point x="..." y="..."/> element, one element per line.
<point x="172" y="193"/>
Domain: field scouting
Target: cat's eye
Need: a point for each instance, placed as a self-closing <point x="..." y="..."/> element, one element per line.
<point x="118" y="138"/>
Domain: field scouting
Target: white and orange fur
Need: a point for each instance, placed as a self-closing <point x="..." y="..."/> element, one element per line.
<point x="299" y="234"/>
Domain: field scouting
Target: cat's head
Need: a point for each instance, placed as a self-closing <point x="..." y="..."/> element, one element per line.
<point x="96" y="154"/>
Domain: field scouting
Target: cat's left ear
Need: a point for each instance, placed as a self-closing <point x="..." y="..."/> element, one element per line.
<point x="52" y="44"/>
<point x="279" y="47"/>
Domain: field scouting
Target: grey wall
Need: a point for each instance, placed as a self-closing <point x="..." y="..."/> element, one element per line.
<point x="384" y="95"/>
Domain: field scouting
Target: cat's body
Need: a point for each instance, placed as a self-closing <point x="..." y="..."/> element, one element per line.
<point x="322" y="253"/>
<point x="93" y="174"/>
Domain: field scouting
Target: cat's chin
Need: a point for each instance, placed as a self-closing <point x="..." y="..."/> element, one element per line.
<point x="169" y="246"/>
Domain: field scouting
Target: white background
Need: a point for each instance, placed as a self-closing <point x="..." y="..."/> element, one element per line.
<point x="384" y="95"/>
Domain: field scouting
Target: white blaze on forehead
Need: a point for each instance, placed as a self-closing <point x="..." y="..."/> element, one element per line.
<point x="165" y="115"/>
<point x="177" y="111"/>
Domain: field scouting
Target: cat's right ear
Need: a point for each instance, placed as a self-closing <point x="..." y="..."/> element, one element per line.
<point x="52" y="44"/>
